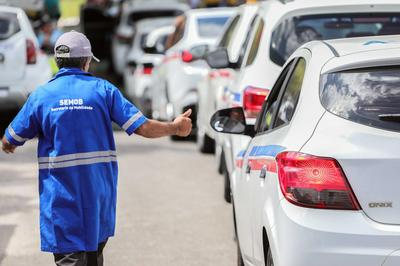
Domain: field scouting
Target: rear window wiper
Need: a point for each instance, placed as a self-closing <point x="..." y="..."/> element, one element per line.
<point x="389" y="117"/>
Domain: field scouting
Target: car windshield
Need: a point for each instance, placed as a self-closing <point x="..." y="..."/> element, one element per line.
<point x="295" y="31"/>
<point x="211" y="27"/>
<point x="367" y="96"/>
<point x="8" y="25"/>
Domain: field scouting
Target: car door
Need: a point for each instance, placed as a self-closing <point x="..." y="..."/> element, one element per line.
<point x="270" y="140"/>
<point x="243" y="193"/>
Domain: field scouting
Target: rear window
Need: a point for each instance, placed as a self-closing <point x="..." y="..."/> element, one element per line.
<point x="136" y="16"/>
<point x="211" y="26"/>
<point x="366" y="96"/>
<point x="295" y="31"/>
<point x="8" y="25"/>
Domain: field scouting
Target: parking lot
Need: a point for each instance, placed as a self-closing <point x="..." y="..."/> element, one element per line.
<point x="170" y="208"/>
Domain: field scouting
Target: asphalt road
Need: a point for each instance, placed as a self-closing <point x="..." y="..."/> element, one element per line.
<point x="170" y="208"/>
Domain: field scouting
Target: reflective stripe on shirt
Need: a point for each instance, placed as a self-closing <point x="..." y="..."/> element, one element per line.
<point x="132" y="120"/>
<point x="15" y="136"/>
<point x="76" y="159"/>
<point x="74" y="156"/>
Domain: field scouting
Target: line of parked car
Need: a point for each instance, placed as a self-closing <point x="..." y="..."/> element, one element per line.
<point x="299" y="102"/>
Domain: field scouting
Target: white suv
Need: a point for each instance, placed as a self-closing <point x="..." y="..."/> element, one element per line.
<point x="318" y="183"/>
<point x="281" y="27"/>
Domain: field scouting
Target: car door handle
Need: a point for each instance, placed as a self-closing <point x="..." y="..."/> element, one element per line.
<point x="263" y="172"/>
<point x="248" y="169"/>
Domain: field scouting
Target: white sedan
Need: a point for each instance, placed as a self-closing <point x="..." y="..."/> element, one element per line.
<point x="23" y="67"/>
<point x="318" y="183"/>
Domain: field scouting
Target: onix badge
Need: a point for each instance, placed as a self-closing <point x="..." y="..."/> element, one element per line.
<point x="380" y="204"/>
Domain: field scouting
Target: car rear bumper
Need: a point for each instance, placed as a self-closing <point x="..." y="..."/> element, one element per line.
<point x="12" y="97"/>
<point x="306" y="237"/>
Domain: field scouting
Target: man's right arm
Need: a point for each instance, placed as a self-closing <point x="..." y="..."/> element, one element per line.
<point x="181" y="126"/>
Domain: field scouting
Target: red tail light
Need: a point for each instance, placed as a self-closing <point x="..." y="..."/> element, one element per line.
<point x="224" y="73"/>
<point x="253" y="99"/>
<point x="314" y="182"/>
<point x="147" y="70"/>
<point x="30" y="52"/>
<point x="213" y="74"/>
<point x="187" y="57"/>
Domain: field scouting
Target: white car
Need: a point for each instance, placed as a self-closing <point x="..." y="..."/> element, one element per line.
<point x="23" y="67"/>
<point x="318" y="182"/>
<point x="281" y="27"/>
<point x="132" y="12"/>
<point x="27" y="5"/>
<point x="140" y="63"/>
<point x="175" y="87"/>
<point x="212" y="87"/>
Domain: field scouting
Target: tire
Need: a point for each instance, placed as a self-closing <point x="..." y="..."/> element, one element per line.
<point x="227" y="187"/>
<point x="269" y="261"/>
<point x="206" y="144"/>
<point x="221" y="167"/>
<point x="240" y="261"/>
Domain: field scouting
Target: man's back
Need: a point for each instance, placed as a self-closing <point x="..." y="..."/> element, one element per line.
<point x="72" y="117"/>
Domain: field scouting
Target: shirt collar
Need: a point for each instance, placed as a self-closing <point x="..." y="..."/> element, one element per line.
<point x="66" y="71"/>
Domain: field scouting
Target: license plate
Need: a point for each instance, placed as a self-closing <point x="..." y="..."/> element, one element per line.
<point x="3" y="92"/>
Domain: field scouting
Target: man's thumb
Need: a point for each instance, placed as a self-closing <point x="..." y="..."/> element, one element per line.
<point x="187" y="113"/>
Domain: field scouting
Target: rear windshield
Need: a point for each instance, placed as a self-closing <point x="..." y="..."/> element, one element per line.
<point x="136" y="16"/>
<point x="8" y="25"/>
<point x="295" y="31"/>
<point x="211" y="26"/>
<point x="367" y="96"/>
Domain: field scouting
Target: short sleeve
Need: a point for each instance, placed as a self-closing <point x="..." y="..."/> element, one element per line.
<point x="123" y="112"/>
<point x="25" y="125"/>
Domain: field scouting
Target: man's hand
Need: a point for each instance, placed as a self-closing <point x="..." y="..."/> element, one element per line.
<point x="183" y="124"/>
<point x="7" y="147"/>
<point x="181" y="127"/>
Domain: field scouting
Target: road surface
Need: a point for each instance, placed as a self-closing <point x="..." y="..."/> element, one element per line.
<point x="170" y="208"/>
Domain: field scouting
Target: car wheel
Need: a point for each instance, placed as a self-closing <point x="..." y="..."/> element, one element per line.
<point x="221" y="166"/>
<point x="205" y="143"/>
<point x="240" y="261"/>
<point x="269" y="261"/>
<point x="227" y="187"/>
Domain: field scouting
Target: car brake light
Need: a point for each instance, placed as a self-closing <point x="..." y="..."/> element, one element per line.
<point x="314" y="182"/>
<point x="30" y="52"/>
<point x="187" y="57"/>
<point x="224" y="73"/>
<point x="213" y="74"/>
<point x="147" y="70"/>
<point x="253" y="99"/>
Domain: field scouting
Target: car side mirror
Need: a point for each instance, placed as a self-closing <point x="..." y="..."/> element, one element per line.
<point x="195" y="53"/>
<point x="231" y="120"/>
<point x="218" y="58"/>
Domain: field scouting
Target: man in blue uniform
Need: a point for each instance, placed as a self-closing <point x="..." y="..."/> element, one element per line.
<point x="72" y="116"/>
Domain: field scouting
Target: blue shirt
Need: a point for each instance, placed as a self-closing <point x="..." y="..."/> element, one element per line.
<point x="72" y="117"/>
